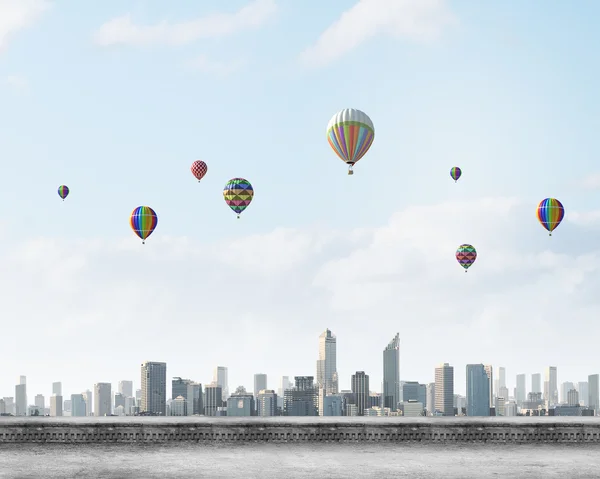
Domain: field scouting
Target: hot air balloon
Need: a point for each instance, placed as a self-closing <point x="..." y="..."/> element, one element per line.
<point x="238" y="194"/>
<point x="550" y="213"/>
<point x="143" y="221"/>
<point x="455" y="173"/>
<point x="466" y="256"/>
<point x="63" y="191"/>
<point x="199" y="169"/>
<point x="350" y="133"/>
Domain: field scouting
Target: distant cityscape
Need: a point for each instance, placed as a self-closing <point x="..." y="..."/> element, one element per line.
<point x="486" y="394"/>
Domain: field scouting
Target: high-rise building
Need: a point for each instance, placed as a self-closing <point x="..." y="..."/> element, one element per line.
<point x="444" y="389"/>
<point x="102" y="399"/>
<point x="302" y="399"/>
<point x="21" y="397"/>
<point x="154" y="388"/>
<point x="583" y="390"/>
<point x="220" y="377"/>
<point x="56" y="405"/>
<point x="594" y="392"/>
<point x="550" y="386"/>
<point x="267" y="403"/>
<point x="185" y="389"/>
<point x="214" y="399"/>
<point x="391" y="374"/>
<point x="327" y="377"/>
<point x="430" y="402"/>
<point x="572" y="397"/>
<point x="284" y="385"/>
<point x="521" y="391"/>
<point x="564" y="391"/>
<point x="126" y="388"/>
<point x="89" y="402"/>
<point x="478" y="390"/>
<point x="501" y="378"/>
<point x="414" y="392"/>
<point x="489" y="370"/>
<point x="40" y="402"/>
<point x="360" y="389"/>
<point x="536" y="383"/>
<point x="119" y="400"/>
<point x="57" y="388"/>
<point x="260" y="384"/>
<point x="78" y="408"/>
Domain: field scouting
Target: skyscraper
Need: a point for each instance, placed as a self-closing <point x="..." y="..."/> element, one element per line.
<point x="284" y="385"/>
<point x="536" y="383"/>
<point x="478" y="390"/>
<point x="594" y="392"/>
<point x="501" y="377"/>
<point x="430" y="399"/>
<point x="154" y="388"/>
<point x="78" y="408"/>
<point x="327" y="363"/>
<point x="126" y="388"/>
<point x="444" y="389"/>
<point x="89" y="402"/>
<point x="490" y="374"/>
<point x="583" y="390"/>
<point x="551" y="386"/>
<point x="220" y="377"/>
<point x="57" y="389"/>
<point x="214" y="399"/>
<point x="56" y="405"/>
<point x="360" y="389"/>
<point x="391" y="374"/>
<point x="102" y="397"/>
<point x="260" y="383"/>
<point x="521" y="393"/>
<point x="40" y="402"/>
<point x="21" y="397"/>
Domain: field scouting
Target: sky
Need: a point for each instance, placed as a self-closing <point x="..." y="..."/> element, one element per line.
<point x="116" y="99"/>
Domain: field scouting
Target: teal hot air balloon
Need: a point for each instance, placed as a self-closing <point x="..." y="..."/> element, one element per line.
<point x="455" y="173"/>
<point x="466" y="256"/>
<point x="63" y="191"/>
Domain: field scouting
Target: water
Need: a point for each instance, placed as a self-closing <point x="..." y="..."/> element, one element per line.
<point x="295" y="460"/>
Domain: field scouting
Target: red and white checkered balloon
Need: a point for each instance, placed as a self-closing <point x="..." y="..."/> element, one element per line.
<point x="199" y="169"/>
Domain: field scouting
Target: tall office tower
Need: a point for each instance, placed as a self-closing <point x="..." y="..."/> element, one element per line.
<point x="360" y="389"/>
<point x="583" y="390"/>
<point x="564" y="391"/>
<point x="430" y="399"/>
<point x="126" y="388"/>
<point x="220" y="377"/>
<point x="267" y="403"/>
<point x="214" y="399"/>
<point x="40" y="402"/>
<point x="594" y="392"/>
<point x="138" y="396"/>
<point x="260" y="384"/>
<point x="303" y="399"/>
<point x="551" y="394"/>
<point x="284" y="385"/>
<point x="478" y="390"/>
<point x="521" y="391"/>
<point x="327" y="363"/>
<point x="444" y="389"/>
<point x="21" y="397"/>
<point x="89" y="402"/>
<point x="102" y="399"/>
<point x="489" y="370"/>
<point x="78" y="408"/>
<point x="391" y="374"/>
<point x="536" y="383"/>
<point x="185" y="388"/>
<point x="501" y="378"/>
<point x="56" y="405"/>
<point x="572" y="397"/>
<point x="119" y="400"/>
<point x="57" y="388"/>
<point x="154" y="388"/>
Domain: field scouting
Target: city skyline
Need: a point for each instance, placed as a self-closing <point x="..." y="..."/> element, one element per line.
<point x="118" y="99"/>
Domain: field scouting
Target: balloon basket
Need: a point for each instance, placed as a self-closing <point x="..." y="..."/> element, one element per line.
<point x="350" y="172"/>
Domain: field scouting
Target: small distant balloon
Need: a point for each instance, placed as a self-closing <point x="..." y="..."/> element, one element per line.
<point x="466" y="256"/>
<point x="143" y="221"/>
<point x="455" y="173"/>
<point x="350" y="133"/>
<point x="63" y="191"/>
<point x="199" y="169"/>
<point x="238" y="194"/>
<point x="550" y="213"/>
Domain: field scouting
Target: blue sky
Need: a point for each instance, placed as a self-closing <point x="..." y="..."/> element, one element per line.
<point x="505" y="90"/>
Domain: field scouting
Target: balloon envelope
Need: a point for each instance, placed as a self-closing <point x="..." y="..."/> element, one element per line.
<point x="350" y="133"/>
<point x="466" y="255"/>
<point x="455" y="173"/>
<point x="63" y="191"/>
<point x="550" y="213"/>
<point x="143" y="221"/>
<point x="199" y="169"/>
<point x="238" y="194"/>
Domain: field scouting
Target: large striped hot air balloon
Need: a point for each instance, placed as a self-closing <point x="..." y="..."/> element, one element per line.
<point x="143" y="221"/>
<point x="199" y="169"/>
<point x="238" y="194"/>
<point x="350" y="133"/>
<point x="466" y="256"/>
<point x="455" y="173"/>
<point x="63" y="191"/>
<point x="550" y="213"/>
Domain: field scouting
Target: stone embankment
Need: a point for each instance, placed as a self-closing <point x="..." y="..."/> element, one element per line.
<point x="296" y="429"/>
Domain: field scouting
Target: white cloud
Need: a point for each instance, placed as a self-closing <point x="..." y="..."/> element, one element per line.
<point x="592" y="182"/>
<point x="94" y="309"/>
<point x="205" y="64"/>
<point x="418" y="20"/>
<point x="17" y="15"/>
<point x="586" y="218"/>
<point x="122" y="30"/>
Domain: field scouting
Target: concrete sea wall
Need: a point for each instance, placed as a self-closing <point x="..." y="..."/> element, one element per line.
<point x="296" y="429"/>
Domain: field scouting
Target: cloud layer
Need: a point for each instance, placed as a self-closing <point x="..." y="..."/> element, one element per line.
<point x="16" y="15"/>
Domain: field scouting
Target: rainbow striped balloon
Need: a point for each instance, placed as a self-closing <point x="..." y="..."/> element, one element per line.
<point x="63" y="191"/>
<point x="143" y="221"/>
<point x="350" y="133"/>
<point x="455" y="173"/>
<point x="550" y="213"/>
